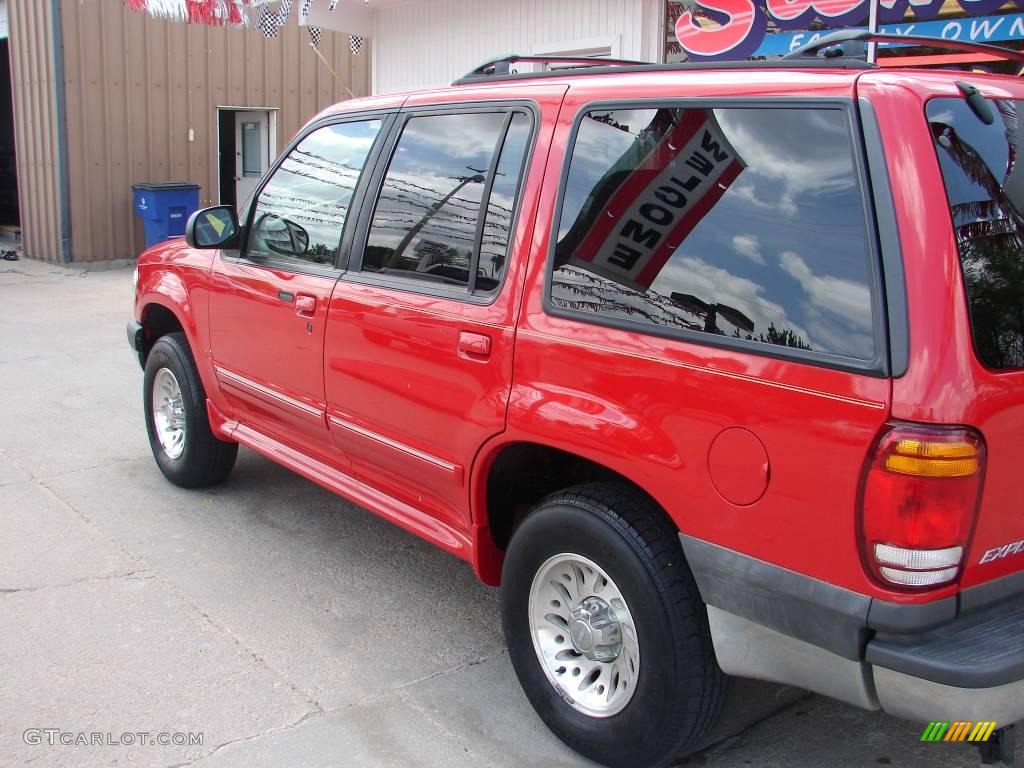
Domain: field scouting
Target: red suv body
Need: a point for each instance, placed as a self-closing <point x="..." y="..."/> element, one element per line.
<point x="773" y="311"/>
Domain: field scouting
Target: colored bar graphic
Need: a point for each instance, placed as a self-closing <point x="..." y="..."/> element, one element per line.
<point x="982" y="731"/>
<point x="960" y="730"/>
<point x="935" y="731"/>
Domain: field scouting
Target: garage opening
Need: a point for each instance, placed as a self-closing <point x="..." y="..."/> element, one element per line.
<point x="10" y="220"/>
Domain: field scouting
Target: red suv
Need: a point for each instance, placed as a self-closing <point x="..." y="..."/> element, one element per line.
<point x="713" y="368"/>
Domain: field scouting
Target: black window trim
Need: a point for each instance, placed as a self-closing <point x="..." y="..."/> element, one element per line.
<point x="897" y="316"/>
<point x="878" y="366"/>
<point x="387" y="118"/>
<point x="354" y="273"/>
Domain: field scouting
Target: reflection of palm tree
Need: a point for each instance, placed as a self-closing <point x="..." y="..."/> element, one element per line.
<point x="976" y="169"/>
<point x="430" y="213"/>
<point x="990" y="238"/>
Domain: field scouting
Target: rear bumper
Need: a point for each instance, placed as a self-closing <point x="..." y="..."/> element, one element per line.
<point x="983" y="649"/>
<point x="916" y="699"/>
<point x="927" y="663"/>
<point x="969" y="669"/>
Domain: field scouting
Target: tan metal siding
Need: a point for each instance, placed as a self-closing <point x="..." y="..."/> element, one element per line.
<point x="34" y="88"/>
<point x="136" y="85"/>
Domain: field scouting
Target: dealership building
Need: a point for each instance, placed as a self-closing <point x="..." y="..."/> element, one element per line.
<point x="102" y="96"/>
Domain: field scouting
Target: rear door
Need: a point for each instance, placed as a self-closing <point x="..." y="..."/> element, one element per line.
<point x="269" y="303"/>
<point x="706" y="315"/>
<point x="421" y="328"/>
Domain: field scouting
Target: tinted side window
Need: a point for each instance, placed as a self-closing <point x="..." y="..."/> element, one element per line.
<point x="747" y="223"/>
<point x="985" y="186"/>
<point x="500" y="215"/>
<point x="301" y="211"/>
<point x="425" y="225"/>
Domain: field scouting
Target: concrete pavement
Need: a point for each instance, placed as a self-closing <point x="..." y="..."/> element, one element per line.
<point x="285" y="625"/>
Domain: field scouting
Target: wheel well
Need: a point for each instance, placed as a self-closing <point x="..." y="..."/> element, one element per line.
<point x="158" y="321"/>
<point x="524" y="473"/>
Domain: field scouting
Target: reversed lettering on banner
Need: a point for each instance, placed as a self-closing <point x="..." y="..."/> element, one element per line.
<point x="636" y="232"/>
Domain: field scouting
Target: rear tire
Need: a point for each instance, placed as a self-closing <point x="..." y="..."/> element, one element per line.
<point x="180" y="437"/>
<point x="619" y="546"/>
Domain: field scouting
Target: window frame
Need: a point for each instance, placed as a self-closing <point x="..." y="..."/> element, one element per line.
<point x="879" y="364"/>
<point x="354" y="272"/>
<point x="387" y="118"/>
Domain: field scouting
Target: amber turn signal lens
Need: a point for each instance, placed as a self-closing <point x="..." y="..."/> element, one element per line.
<point x="922" y="458"/>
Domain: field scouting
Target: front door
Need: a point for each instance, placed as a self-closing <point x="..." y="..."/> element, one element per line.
<point x="268" y="306"/>
<point x="420" y="333"/>
<point x="252" y="152"/>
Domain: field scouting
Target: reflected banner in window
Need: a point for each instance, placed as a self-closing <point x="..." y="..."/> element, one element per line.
<point x="741" y="222"/>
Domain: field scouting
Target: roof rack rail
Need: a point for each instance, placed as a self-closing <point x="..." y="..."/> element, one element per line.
<point x="503" y="65"/>
<point x="850" y="43"/>
<point x="609" y="67"/>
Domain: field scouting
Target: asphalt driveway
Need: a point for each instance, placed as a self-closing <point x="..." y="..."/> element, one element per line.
<point x="273" y="621"/>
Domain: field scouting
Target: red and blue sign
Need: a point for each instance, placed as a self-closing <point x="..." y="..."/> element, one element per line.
<point x="743" y="24"/>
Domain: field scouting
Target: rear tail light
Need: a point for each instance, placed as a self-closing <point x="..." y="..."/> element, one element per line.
<point x="918" y="503"/>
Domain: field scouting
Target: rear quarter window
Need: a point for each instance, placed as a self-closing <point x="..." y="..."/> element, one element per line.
<point x="737" y="225"/>
<point x="984" y="181"/>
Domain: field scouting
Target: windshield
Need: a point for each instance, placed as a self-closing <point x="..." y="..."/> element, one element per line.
<point x="985" y="186"/>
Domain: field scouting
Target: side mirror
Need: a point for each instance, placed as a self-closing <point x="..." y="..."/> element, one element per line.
<point x="215" y="227"/>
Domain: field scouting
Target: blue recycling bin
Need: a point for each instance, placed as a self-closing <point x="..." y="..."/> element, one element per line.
<point x="165" y="208"/>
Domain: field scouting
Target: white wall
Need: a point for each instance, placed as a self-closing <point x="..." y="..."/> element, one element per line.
<point x="3" y="19"/>
<point x="431" y="43"/>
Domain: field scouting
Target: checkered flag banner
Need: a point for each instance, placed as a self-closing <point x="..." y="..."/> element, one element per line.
<point x="269" y="16"/>
<point x="270" y="22"/>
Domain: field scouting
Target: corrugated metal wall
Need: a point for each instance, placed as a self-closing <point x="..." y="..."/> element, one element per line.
<point x="136" y="85"/>
<point x="426" y="44"/>
<point x="34" y="79"/>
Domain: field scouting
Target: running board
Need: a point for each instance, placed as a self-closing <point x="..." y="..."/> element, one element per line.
<point x="411" y="519"/>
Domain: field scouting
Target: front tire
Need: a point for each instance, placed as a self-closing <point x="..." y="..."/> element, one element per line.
<point x="606" y="629"/>
<point x="184" y="446"/>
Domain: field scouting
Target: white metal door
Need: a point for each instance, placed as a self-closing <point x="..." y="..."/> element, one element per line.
<point x="252" y="147"/>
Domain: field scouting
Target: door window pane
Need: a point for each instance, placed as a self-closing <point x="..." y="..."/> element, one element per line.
<point x="252" y="150"/>
<point x="501" y="206"/>
<point x="746" y="223"/>
<point x="300" y="213"/>
<point x="985" y="186"/>
<point x="425" y="222"/>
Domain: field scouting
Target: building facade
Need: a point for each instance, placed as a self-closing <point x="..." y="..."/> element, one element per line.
<point x="428" y="44"/>
<point x="103" y="98"/>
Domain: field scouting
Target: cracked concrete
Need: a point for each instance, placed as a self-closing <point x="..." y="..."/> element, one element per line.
<point x="287" y="626"/>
